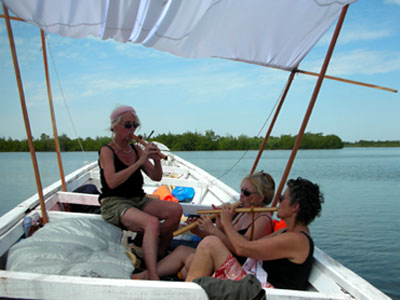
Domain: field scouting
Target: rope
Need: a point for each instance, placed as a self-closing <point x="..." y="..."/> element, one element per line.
<point x="65" y="102"/>
<point x="258" y="134"/>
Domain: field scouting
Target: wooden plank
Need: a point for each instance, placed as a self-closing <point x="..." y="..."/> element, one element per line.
<point x="78" y="198"/>
<point x="58" y="215"/>
<point x="322" y="282"/>
<point x="14" y="234"/>
<point x="177" y="182"/>
<point x="11" y="237"/>
<point x="40" y="286"/>
<point x="10" y="218"/>
<point x="191" y="209"/>
<point x="282" y="294"/>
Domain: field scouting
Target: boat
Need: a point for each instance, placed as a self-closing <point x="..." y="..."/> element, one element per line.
<point x="158" y="24"/>
<point x="328" y="280"/>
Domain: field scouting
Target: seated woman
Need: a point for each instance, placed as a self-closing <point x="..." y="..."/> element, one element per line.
<point x="123" y="200"/>
<point x="287" y="254"/>
<point x="256" y="190"/>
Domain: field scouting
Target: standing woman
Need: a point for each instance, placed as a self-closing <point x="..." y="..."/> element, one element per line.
<point x="123" y="201"/>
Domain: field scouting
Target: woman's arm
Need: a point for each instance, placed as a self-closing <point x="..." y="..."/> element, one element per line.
<point x="291" y="245"/>
<point x="113" y="178"/>
<point x="262" y="227"/>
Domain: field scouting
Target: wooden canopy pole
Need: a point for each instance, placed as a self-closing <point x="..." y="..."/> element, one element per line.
<point x="348" y="81"/>
<point x="12" y="18"/>
<point x="25" y="114"/>
<point x="311" y="104"/>
<point x="278" y="109"/>
<point x="51" y="107"/>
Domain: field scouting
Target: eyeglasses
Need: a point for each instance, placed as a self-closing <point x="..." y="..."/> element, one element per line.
<point x="129" y="125"/>
<point x="246" y="193"/>
<point x="281" y="198"/>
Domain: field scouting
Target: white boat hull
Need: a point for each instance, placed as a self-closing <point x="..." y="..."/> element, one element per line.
<point x="328" y="280"/>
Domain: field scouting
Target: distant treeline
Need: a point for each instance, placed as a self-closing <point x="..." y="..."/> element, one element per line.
<point x="190" y="141"/>
<point x="209" y="141"/>
<point x="46" y="143"/>
<point x="363" y="143"/>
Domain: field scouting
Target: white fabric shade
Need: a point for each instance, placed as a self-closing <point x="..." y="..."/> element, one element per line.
<point x="275" y="33"/>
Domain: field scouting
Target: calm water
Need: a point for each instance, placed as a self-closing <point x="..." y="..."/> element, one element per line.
<point x="359" y="225"/>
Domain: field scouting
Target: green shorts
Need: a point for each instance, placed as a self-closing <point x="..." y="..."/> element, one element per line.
<point x="113" y="208"/>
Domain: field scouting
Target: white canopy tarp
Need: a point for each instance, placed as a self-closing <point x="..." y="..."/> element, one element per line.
<point x="275" y="33"/>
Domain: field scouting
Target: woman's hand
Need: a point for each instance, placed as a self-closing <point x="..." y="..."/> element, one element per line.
<point x="153" y="151"/>
<point x="196" y="230"/>
<point x="206" y="224"/>
<point x="150" y="151"/>
<point x="218" y="218"/>
<point x="226" y="214"/>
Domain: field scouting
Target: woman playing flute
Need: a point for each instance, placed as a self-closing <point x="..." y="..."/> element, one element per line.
<point x="257" y="190"/>
<point x="286" y="255"/>
<point x="123" y="201"/>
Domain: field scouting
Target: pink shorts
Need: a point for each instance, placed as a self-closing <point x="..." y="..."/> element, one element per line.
<point x="230" y="269"/>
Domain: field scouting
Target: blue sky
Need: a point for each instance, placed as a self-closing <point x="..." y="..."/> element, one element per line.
<point x="176" y="95"/>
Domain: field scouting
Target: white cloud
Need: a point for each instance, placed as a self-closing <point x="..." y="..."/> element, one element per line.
<point x="397" y="2"/>
<point x="101" y="86"/>
<point x="360" y="61"/>
<point x="356" y="35"/>
<point x="363" y="35"/>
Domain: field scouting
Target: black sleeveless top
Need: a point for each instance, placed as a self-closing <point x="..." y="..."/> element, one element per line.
<point x="132" y="187"/>
<point x="284" y="274"/>
<point x="242" y="259"/>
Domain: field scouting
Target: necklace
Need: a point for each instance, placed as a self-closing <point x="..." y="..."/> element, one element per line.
<point x="119" y="148"/>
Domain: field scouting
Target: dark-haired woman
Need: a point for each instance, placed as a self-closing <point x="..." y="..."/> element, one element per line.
<point x="287" y="254"/>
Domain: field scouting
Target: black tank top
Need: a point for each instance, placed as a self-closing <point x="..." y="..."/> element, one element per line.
<point x="242" y="259"/>
<point x="284" y="274"/>
<point x="132" y="187"/>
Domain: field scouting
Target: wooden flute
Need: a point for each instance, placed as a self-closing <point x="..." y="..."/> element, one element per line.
<point x="238" y="210"/>
<point x="140" y="140"/>
<point x="195" y="224"/>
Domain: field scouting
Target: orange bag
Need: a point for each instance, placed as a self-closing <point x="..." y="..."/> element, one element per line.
<point x="165" y="194"/>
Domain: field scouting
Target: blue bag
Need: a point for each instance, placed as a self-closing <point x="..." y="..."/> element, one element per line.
<point x="183" y="194"/>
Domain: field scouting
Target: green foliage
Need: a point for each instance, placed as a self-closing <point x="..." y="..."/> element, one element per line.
<point x="45" y="144"/>
<point x="190" y="141"/>
<point x="196" y="142"/>
<point x="363" y="143"/>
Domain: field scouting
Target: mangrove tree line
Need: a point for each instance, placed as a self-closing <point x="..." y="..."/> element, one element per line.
<point x="187" y="141"/>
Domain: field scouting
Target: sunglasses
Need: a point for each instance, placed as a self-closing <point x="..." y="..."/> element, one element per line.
<point x="129" y="125"/>
<point x="247" y="193"/>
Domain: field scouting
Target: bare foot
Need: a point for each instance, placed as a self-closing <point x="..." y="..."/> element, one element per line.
<point x="142" y="275"/>
<point x="154" y="277"/>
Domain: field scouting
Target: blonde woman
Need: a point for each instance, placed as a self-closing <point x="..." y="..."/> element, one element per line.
<point x="255" y="190"/>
